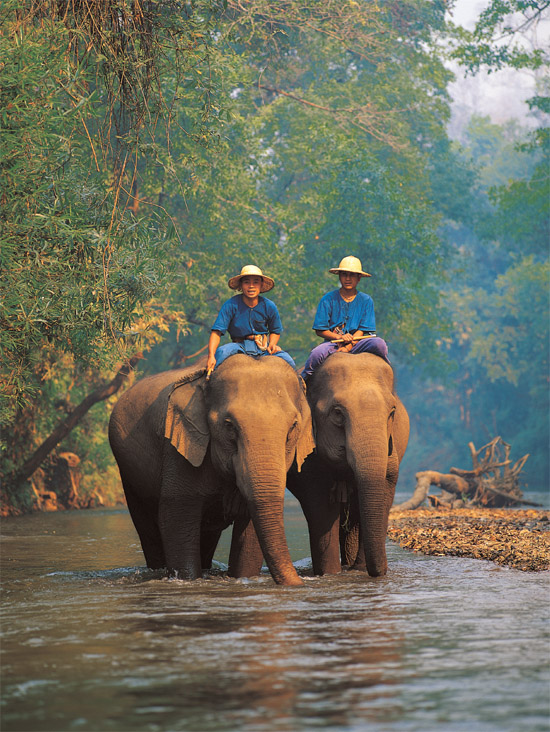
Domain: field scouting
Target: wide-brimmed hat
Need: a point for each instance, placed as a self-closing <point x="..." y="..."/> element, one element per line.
<point x="250" y="270"/>
<point x="350" y="264"/>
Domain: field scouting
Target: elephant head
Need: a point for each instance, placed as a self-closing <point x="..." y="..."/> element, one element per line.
<point x="361" y="432"/>
<point x="251" y="420"/>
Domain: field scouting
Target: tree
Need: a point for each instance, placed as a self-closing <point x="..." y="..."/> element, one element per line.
<point x="502" y="37"/>
<point x="289" y="134"/>
<point x="334" y="134"/>
<point x="499" y="293"/>
<point x="80" y="259"/>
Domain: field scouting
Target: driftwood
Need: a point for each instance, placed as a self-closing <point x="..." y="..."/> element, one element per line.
<point x="493" y="482"/>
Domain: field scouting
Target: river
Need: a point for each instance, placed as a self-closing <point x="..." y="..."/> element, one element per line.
<point x="91" y="640"/>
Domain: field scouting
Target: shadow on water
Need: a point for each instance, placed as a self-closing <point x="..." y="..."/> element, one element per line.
<point x="91" y="640"/>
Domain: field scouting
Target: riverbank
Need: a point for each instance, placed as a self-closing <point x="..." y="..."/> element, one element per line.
<point x="509" y="537"/>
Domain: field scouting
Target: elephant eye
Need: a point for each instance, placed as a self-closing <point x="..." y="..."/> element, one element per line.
<point x="337" y="416"/>
<point x="229" y="427"/>
<point x="291" y="430"/>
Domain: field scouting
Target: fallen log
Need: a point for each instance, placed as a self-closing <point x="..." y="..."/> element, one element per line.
<point x="493" y="481"/>
<point x="424" y="480"/>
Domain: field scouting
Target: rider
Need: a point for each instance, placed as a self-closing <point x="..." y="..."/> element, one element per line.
<point x="253" y="321"/>
<point x="343" y="317"/>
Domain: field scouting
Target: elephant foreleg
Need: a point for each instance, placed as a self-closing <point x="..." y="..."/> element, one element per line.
<point x="323" y="522"/>
<point x="180" y="524"/>
<point x="245" y="556"/>
<point x="144" y="515"/>
<point x="209" y="541"/>
<point x="322" y="516"/>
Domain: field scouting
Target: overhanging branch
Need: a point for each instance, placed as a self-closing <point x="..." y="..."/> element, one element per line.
<point x="66" y="425"/>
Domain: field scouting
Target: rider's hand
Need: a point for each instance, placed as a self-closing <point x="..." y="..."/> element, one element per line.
<point x="273" y="348"/>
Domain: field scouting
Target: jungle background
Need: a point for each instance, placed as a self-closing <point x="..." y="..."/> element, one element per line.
<point x="151" y="148"/>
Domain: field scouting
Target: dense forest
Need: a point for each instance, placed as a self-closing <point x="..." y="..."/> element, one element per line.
<point x="151" y="149"/>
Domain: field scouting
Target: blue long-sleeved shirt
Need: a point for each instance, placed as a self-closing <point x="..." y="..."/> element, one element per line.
<point x="240" y="320"/>
<point x="334" y="311"/>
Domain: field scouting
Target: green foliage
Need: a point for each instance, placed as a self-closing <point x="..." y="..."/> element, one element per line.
<point x="81" y="259"/>
<point x="522" y="205"/>
<point x="149" y="152"/>
<point x="501" y="341"/>
<point x="336" y="127"/>
<point x="500" y="300"/>
<point x="496" y="151"/>
<point x="499" y="37"/>
<point x="75" y="270"/>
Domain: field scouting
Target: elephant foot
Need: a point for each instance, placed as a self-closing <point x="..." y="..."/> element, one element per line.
<point x="185" y="574"/>
<point x="378" y="569"/>
<point x="291" y="582"/>
<point x="160" y="564"/>
<point x="286" y="575"/>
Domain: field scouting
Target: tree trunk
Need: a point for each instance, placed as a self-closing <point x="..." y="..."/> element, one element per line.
<point x="63" y="428"/>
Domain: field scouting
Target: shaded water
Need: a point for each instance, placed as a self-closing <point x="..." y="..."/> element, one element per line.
<point x="93" y="641"/>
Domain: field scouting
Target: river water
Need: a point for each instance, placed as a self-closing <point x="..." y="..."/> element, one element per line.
<point x="91" y="640"/>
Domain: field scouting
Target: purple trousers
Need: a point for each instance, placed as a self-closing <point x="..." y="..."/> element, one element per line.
<point x="321" y="352"/>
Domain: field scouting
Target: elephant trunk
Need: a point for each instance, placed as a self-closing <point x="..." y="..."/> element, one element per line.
<point x="264" y="486"/>
<point x="373" y="490"/>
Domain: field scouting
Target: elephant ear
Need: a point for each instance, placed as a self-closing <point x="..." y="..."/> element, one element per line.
<point x="186" y="425"/>
<point x="306" y="441"/>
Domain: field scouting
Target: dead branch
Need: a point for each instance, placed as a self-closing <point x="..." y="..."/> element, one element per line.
<point x="492" y="483"/>
<point x="452" y="484"/>
<point x="506" y="496"/>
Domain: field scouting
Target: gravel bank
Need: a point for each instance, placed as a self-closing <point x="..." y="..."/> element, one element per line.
<point x="514" y="538"/>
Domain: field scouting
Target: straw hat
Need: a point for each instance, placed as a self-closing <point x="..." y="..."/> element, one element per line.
<point x="250" y="270"/>
<point x="350" y="264"/>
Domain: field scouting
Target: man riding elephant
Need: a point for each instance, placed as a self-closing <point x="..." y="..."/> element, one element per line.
<point x="252" y="321"/>
<point x="345" y="319"/>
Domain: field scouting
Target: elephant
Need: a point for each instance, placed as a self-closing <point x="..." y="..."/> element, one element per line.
<point x="361" y="431"/>
<point x="188" y="446"/>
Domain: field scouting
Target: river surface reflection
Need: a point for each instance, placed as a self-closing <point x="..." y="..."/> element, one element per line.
<point x="94" y="641"/>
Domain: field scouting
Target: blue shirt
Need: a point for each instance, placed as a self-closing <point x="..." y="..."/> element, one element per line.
<point x="241" y="321"/>
<point x="334" y="311"/>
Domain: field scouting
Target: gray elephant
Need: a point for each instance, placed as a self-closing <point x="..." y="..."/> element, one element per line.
<point x="361" y="433"/>
<point x="186" y="447"/>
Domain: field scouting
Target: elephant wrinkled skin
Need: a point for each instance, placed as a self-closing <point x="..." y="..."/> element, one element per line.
<point x="184" y="445"/>
<point x="361" y="432"/>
